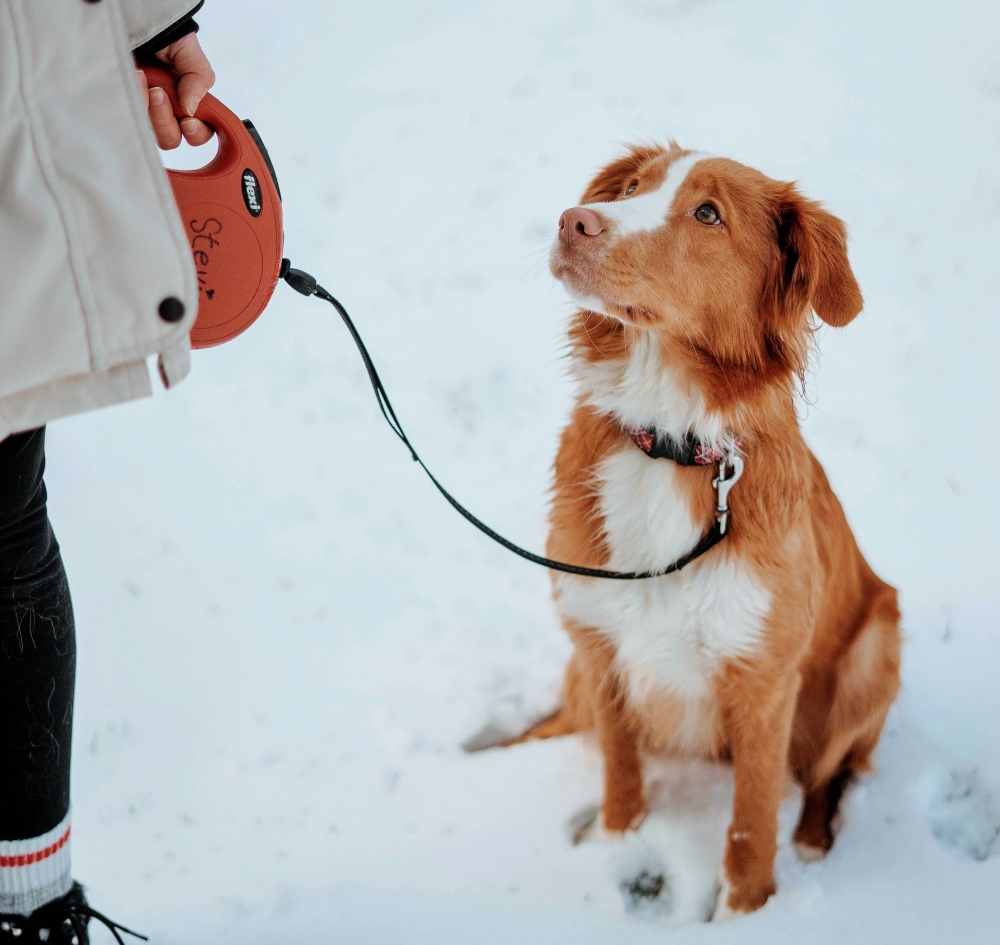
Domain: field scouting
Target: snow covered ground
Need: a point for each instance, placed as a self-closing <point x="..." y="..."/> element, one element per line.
<point x="285" y="634"/>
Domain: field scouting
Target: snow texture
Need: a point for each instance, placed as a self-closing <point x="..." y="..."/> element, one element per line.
<point x="286" y="634"/>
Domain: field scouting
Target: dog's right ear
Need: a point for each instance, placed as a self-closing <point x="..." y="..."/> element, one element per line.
<point x="612" y="180"/>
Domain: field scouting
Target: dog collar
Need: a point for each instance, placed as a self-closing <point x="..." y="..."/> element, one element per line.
<point x="688" y="451"/>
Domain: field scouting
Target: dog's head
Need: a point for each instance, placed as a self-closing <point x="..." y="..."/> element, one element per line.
<point x="709" y="254"/>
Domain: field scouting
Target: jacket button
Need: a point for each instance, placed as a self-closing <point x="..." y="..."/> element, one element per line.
<point x="171" y="309"/>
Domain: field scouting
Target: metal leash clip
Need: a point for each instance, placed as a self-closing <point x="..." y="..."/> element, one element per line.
<point x="723" y="485"/>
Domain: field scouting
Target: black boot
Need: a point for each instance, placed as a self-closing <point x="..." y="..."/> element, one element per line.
<point x="61" y="922"/>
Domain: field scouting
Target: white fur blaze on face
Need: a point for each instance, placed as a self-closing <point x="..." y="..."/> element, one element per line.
<point x="647" y="211"/>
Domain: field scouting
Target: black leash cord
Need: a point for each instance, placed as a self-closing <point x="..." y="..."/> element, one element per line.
<point x="306" y="284"/>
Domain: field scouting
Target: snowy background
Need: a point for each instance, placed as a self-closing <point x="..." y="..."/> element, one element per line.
<point x="285" y="634"/>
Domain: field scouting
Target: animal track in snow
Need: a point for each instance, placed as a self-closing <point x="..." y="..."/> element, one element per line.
<point x="964" y="815"/>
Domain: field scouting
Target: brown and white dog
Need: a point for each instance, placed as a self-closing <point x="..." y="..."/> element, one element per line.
<point x="778" y="650"/>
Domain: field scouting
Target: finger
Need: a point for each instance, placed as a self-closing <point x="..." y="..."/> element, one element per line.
<point x="143" y="86"/>
<point x="161" y="116"/>
<point x="191" y="64"/>
<point x="196" y="132"/>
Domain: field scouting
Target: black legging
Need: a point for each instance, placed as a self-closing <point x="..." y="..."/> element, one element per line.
<point x="37" y="649"/>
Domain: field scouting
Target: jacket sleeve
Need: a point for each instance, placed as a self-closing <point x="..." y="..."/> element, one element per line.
<point x="92" y="248"/>
<point x="153" y="24"/>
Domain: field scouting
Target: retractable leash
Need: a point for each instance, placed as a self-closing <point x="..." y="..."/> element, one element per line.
<point x="231" y="210"/>
<point x="307" y="285"/>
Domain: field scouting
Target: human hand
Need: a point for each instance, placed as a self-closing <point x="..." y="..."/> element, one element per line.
<point x="196" y="77"/>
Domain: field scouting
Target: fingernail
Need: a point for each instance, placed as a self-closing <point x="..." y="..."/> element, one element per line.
<point x="157" y="96"/>
<point x="191" y="106"/>
<point x="189" y="125"/>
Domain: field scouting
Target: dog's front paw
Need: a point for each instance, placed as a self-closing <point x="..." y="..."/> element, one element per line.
<point x="733" y="901"/>
<point x="723" y="912"/>
<point x="591" y="824"/>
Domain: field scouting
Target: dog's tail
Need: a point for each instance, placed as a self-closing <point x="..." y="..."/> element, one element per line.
<point x="560" y="722"/>
<point x="574" y="715"/>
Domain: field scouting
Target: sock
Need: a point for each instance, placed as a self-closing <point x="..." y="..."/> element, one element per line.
<point x="35" y="871"/>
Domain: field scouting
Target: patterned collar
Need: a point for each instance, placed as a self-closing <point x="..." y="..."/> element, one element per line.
<point x="686" y="452"/>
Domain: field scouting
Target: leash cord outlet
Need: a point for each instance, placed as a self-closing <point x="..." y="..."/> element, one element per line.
<point x="306" y="284"/>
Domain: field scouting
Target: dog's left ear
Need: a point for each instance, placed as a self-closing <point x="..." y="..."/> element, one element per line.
<point x="812" y="265"/>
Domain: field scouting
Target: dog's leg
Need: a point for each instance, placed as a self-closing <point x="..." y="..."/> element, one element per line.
<point x="624" y="805"/>
<point x="864" y="686"/>
<point x="758" y="721"/>
<point x="815" y="831"/>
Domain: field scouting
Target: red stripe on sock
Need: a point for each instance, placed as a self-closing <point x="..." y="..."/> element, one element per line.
<point x="26" y="859"/>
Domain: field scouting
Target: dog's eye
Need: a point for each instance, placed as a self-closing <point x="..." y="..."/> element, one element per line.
<point x="631" y="188"/>
<point x="706" y="213"/>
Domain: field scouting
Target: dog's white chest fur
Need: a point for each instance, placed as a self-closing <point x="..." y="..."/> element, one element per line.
<point x="672" y="634"/>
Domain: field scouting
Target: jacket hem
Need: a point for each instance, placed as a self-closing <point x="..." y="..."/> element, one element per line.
<point x="33" y="408"/>
<point x="175" y="362"/>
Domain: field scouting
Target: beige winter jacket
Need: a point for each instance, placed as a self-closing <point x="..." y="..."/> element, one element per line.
<point x="91" y="243"/>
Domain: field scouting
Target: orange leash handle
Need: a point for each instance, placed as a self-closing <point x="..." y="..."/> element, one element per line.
<point x="231" y="212"/>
